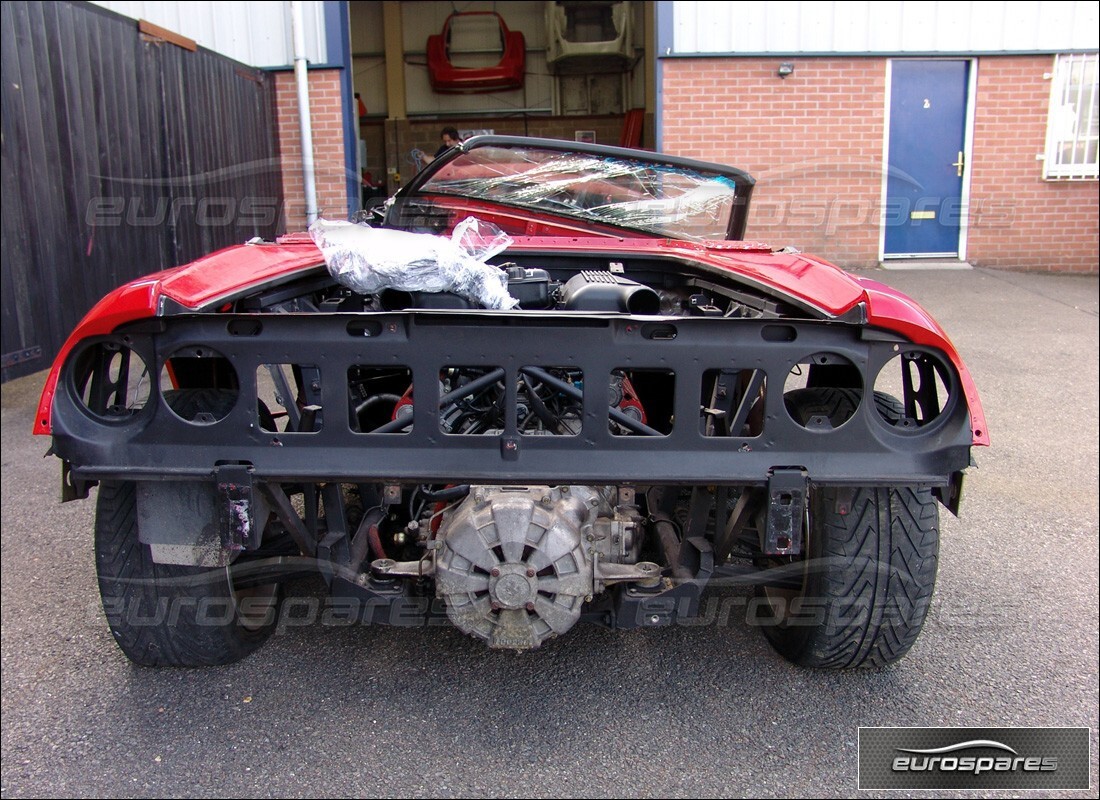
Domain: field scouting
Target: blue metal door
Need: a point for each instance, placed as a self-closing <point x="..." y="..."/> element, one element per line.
<point x="925" y="157"/>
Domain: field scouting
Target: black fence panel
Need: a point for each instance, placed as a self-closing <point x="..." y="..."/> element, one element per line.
<point x="123" y="154"/>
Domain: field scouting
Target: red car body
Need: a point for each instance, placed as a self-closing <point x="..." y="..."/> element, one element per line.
<point x="229" y="271"/>
<point x="445" y="77"/>
<point x="618" y="400"/>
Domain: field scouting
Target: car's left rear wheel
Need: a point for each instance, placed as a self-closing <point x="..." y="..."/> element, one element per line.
<point x="169" y="615"/>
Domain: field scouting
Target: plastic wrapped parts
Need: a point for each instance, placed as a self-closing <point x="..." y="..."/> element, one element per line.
<point x="370" y="260"/>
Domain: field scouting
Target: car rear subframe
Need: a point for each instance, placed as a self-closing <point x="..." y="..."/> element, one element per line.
<point x="155" y="444"/>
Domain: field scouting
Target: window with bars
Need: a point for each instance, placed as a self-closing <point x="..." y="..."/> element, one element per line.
<point x="1073" y="126"/>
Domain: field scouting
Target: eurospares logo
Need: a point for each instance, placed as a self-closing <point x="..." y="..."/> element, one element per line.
<point x="974" y="758"/>
<point x="950" y="759"/>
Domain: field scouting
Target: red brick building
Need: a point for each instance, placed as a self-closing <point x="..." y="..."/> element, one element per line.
<point x="326" y="112"/>
<point x="811" y="119"/>
<point x="330" y="162"/>
<point x="878" y="132"/>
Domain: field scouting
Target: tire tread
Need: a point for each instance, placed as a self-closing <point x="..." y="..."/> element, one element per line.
<point x="876" y="563"/>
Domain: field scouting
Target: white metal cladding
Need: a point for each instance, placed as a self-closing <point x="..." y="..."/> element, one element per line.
<point x="862" y="26"/>
<point x="254" y="33"/>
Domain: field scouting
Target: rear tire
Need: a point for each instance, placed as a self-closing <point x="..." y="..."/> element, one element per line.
<point x="168" y="615"/>
<point x="870" y="557"/>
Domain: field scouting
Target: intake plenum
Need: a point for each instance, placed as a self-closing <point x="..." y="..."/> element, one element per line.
<point x="592" y="290"/>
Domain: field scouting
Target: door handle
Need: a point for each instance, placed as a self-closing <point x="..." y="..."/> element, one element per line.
<point x="959" y="164"/>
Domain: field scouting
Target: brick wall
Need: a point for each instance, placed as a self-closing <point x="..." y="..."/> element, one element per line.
<point x="814" y="142"/>
<point x="1019" y="220"/>
<point x="326" y="118"/>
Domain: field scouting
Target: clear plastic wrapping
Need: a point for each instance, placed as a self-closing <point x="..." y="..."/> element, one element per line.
<point x="369" y="260"/>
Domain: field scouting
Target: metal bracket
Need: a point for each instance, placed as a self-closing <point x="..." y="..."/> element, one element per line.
<point x="237" y="508"/>
<point x="787" y="493"/>
<point x="391" y="494"/>
<point x="951" y="494"/>
<point x="335" y="546"/>
<point x="744" y="512"/>
<point x="388" y="568"/>
<point x="673" y="598"/>
<point x="288" y="516"/>
<point x="73" y="488"/>
<point x="284" y="396"/>
<point x="645" y="574"/>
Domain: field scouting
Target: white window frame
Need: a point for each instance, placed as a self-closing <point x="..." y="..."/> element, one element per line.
<point x="1065" y="126"/>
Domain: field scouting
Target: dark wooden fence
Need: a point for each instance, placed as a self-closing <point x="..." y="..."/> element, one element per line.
<point x="122" y="155"/>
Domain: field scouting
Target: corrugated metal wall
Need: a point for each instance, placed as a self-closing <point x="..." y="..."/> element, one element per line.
<point x="255" y="33"/>
<point x="913" y="26"/>
<point x="121" y="156"/>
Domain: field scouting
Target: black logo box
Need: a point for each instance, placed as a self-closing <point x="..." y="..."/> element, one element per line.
<point x="1038" y="758"/>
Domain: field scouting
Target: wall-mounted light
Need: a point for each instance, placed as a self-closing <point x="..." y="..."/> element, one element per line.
<point x="785" y="69"/>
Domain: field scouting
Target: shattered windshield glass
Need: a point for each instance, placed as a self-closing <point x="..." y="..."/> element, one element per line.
<point x="653" y="198"/>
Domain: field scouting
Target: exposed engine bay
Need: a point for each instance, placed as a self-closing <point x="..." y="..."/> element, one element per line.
<point x="515" y="565"/>
<point x="571" y="285"/>
<point x="549" y="398"/>
<point x="489" y="465"/>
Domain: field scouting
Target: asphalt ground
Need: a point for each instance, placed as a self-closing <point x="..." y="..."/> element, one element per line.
<point x="706" y="710"/>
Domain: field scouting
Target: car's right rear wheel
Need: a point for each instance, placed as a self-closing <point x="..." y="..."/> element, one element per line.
<point x="868" y="565"/>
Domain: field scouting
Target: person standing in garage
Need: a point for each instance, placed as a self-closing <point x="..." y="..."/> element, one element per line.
<point x="449" y="138"/>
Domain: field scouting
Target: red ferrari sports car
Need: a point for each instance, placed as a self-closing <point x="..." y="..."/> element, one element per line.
<point x="550" y="382"/>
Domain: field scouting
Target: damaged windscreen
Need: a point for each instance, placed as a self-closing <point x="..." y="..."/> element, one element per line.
<point x="605" y="186"/>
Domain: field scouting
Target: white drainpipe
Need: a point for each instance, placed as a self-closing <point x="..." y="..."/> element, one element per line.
<point x="306" y="128"/>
